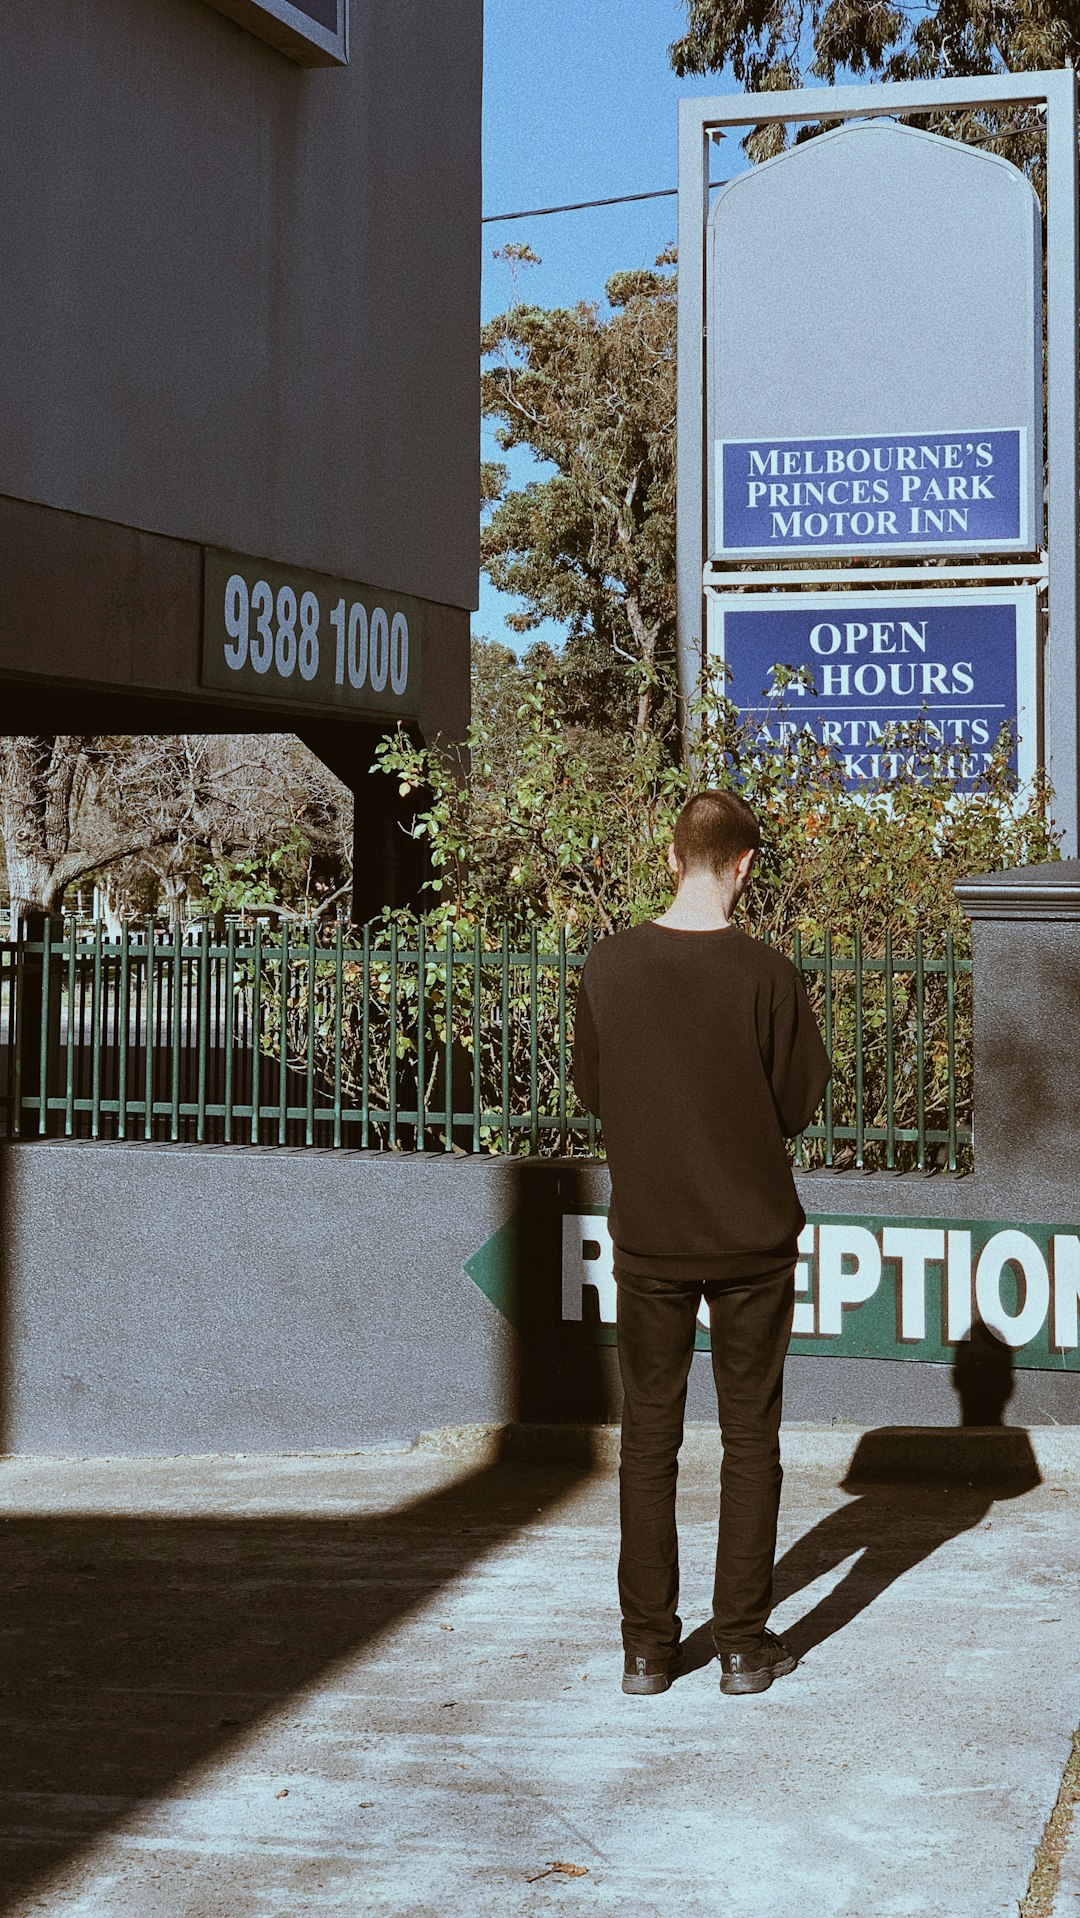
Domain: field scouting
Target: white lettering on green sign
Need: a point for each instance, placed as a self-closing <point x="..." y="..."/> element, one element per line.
<point x="892" y="1288"/>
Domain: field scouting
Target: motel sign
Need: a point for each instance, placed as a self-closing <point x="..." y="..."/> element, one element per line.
<point x="862" y="460"/>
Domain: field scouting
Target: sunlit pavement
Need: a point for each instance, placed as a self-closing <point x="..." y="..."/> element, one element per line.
<point x="389" y="1683"/>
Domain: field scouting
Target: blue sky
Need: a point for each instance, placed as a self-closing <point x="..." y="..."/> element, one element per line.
<point x="579" y="103"/>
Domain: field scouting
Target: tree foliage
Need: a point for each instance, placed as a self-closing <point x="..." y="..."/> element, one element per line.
<point x="552" y="847"/>
<point x="551" y="839"/>
<point x="592" y="394"/>
<point x="589" y="694"/>
<point x="773" y="44"/>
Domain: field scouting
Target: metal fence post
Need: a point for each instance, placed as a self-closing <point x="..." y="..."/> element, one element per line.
<point x="36" y="1021"/>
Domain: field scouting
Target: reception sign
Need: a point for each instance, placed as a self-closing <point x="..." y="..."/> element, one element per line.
<point x="965" y="659"/>
<point x="888" y="1288"/>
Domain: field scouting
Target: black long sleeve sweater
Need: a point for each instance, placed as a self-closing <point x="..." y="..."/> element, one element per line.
<point x="699" y="1054"/>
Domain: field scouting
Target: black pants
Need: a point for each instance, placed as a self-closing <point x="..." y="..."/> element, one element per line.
<point x="750" y="1325"/>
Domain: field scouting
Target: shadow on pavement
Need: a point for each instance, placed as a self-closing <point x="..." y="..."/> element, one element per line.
<point x="134" y="1649"/>
<point x="914" y="1488"/>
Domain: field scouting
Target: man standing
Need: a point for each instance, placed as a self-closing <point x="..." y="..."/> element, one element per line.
<point x="696" y="1048"/>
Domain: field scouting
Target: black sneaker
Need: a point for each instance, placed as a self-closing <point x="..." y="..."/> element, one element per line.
<point x="644" y="1676"/>
<point x="754" y="1671"/>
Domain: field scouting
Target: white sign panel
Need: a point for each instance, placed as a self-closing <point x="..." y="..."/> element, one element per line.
<point x="875" y="351"/>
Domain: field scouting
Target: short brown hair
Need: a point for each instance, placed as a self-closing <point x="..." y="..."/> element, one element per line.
<point x="713" y="831"/>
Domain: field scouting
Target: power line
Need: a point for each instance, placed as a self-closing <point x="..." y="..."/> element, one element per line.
<point x="578" y="206"/>
<point x="670" y="192"/>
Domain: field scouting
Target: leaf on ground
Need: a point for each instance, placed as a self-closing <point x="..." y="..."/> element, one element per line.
<point x="554" y="1865"/>
<point x="283" y="1793"/>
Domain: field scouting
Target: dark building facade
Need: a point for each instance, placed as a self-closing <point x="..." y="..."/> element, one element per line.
<point x="238" y="374"/>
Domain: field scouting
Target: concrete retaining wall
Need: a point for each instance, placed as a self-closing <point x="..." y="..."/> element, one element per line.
<point x="162" y="1299"/>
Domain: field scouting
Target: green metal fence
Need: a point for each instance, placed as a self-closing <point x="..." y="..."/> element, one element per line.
<point x="388" y="1039"/>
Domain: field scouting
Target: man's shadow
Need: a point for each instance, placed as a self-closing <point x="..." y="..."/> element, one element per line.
<point x="915" y="1488"/>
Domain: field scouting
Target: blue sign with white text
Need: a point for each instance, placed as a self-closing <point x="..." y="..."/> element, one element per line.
<point x="875" y="662"/>
<point x="921" y="491"/>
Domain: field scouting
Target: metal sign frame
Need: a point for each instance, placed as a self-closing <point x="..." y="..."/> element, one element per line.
<point x="1058" y="568"/>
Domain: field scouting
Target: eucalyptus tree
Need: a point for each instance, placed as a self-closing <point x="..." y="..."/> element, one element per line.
<point x="774" y="44"/>
<point x="590" y="391"/>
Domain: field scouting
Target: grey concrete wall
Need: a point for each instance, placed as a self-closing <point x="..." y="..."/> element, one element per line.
<point x="1026" y="1046"/>
<point x="178" y="1299"/>
<point x="161" y="1299"/>
<point x="240" y="297"/>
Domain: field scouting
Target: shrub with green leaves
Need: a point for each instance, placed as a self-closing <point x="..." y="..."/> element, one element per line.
<point x="569" y="843"/>
<point x="577" y="836"/>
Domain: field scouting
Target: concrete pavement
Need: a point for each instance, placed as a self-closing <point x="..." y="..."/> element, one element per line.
<point x="388" y="1683"/>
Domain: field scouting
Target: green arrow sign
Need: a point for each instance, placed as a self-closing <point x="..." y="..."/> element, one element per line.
<point x="924" y="1289"/>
